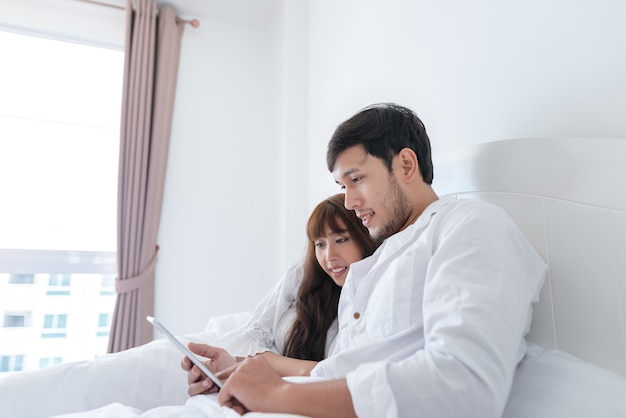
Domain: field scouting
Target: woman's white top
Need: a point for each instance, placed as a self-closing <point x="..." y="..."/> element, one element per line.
<point x="272" y="319"/>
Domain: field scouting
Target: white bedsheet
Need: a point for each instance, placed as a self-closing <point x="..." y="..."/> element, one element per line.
<point x="201" y="406"/>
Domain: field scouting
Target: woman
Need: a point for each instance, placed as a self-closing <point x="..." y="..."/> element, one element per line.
<point x="295" y="325"/>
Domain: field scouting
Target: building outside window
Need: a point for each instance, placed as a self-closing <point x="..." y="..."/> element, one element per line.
<point x="60" y="110"/>
<point x="16" y="319"/>
<point x="104" y="324"/>
<point x="54" y="326"/>
<point x="22" y="279"/>
<point x="107" y="286"/>
<point x="11" y="363"/>
<point x="49" y="361"/>
<point x="59" y="284"/>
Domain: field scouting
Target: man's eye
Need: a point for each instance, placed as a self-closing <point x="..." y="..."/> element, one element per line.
<point x="356" y="179"/>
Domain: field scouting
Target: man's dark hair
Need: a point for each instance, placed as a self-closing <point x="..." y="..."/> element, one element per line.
<point x="383" y="129"/>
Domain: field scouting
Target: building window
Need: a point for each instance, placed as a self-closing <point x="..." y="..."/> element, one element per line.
<point x="104" y="320"/>
<point x="49" y="361"/>
<point x="104" y="324"/>
<point x="21" y="279"/>
<point x="54" y="326"/>
<point x="59" y="285"/>
<point x="11" y="363"/>
<point x="55" y="321"/>
<point x="107" y="285"/>
<point x="17" y="319"/>
<point x="59" y="280"/>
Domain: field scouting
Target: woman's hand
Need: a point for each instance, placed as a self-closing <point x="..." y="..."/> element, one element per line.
<point x="218" y="360"/>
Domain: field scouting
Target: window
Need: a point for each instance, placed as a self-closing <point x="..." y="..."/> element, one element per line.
<point x="104" y="320"/>
<point x="60" y="110"/>
<point x="59" y="280"/>
<point x="59" y="142"/>
<point x="49" y="361"/>
<point x="59" y="284"/>
<point x="104" y="324"/>
<point x="16" y="319"/>
<point x="22" y="279"/>
<point x="54" y="326"/>
<point x="11" y="363"/>
<point x="55" y="321"/>
<point x="107" y="286"/>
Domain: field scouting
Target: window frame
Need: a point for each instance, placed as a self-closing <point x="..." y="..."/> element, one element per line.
<point x="15" y="261"/>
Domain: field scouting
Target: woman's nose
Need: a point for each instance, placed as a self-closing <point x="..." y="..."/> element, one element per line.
<point x="331" y="254"/>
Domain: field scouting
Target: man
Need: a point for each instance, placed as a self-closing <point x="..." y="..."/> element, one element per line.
<point x="433" y="323"/>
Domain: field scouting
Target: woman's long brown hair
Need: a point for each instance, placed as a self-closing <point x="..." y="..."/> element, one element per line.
<point x="318" y="295"/>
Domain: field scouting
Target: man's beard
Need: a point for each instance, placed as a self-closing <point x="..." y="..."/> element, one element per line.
<point x="399" y="209"/>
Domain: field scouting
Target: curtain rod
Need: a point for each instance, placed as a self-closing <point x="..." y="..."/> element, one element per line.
<point x="193" y="22"/>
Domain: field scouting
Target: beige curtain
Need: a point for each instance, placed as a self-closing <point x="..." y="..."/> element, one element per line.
<point x="153" y="40"/>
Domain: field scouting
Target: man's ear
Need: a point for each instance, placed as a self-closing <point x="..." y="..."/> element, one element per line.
<point x="408" y="164"/>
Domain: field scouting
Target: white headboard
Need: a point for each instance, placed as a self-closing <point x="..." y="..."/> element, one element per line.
<point x="569" y="196"/>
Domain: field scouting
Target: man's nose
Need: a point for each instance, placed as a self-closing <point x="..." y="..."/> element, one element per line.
<point x="350" y="200"/>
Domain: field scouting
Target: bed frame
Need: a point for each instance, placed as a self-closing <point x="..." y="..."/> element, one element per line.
<point x="568" y="195"/>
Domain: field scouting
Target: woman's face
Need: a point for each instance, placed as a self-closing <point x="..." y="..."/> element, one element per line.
<point x="335" y="251"/>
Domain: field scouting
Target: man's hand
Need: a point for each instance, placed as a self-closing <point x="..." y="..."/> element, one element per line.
<point x="253" y="387"/>
<point x="256" y="386"/>
<point x="218" y="359"/>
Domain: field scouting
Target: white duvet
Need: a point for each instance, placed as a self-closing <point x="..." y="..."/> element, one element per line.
<point x="145" y="381"/>
<point x="148" y="382"/>
<point x="201" y="406"/>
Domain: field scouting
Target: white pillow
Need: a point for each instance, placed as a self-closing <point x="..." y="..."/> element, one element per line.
<point x="554" y="384"/>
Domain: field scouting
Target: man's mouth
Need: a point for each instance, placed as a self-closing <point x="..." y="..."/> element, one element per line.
<point x="365" y="218"/>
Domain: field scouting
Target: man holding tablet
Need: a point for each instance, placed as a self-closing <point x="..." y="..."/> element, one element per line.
<point x="433" y="323"/>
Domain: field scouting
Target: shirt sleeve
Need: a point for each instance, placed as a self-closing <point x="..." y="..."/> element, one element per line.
<point x="263" y="332"/>
<point x="481" y="281"/>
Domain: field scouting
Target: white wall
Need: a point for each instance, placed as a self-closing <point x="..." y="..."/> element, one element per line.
<point x="473" y="71"/>
<point x="220" y="233"/>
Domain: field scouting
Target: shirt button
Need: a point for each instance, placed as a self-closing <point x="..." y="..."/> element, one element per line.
<point x="356" y="315"/>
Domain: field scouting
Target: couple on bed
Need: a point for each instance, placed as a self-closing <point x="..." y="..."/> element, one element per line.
<point x="431" y="324"/>
<point x="406" y="304"/>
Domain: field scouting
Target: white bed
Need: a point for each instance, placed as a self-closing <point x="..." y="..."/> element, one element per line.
<point x="566" y="194"/>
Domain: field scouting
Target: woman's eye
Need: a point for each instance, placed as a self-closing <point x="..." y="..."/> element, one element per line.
<point x="319" y="245"/>
<point x="342" y="240"/>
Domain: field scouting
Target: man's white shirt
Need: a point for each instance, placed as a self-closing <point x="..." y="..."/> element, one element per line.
<point x="433" y="323"/>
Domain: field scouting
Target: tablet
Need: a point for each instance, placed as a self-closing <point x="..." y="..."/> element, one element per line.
<point x="194" y="359"/>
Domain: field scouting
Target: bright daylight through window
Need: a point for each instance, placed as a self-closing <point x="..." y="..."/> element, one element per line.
<point x="59" y="142"/>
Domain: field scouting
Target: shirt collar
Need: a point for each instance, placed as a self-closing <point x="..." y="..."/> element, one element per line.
<point x="398" y="240"/>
